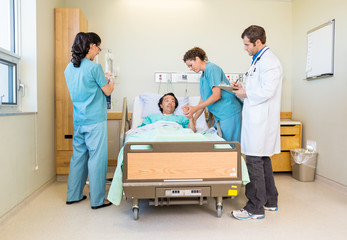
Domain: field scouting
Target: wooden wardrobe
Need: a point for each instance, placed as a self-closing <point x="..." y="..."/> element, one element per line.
<point x="68" y="22"/>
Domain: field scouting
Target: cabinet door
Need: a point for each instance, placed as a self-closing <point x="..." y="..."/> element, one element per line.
<point x="281" y="162"/>
<point x="68" y="22"/>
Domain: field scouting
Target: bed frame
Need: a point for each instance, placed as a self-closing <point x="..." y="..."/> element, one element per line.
<point x="176" y="173"/>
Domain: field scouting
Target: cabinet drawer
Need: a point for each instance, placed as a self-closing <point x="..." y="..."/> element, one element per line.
<point x="63" y="158"/>
<point x="290" y="130"/>
<point x="281" y="162"/>
<point x="290" y="142"/>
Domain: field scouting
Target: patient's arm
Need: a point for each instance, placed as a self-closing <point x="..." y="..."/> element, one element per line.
<point x="192" y="120"/>
<point x="191" y="124"/>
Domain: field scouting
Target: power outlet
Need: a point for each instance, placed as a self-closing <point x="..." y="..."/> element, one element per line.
<point x="311" y="145"/>
<point x="161" y="77"/>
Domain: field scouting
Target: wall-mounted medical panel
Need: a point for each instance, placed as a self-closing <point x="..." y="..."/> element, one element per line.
<point x="233" y="77"/>
<point x="189" y="77"/>
<point x="177" y="77"/>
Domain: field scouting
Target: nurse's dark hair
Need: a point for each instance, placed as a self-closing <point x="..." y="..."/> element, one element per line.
<point x="193" y="53"/>
<point x="162" y="98"/>
<point x="81" y="46"/>
<point x="253" y="33"/>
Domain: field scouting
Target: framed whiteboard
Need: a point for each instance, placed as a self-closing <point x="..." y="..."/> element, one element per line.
<point x="320" y="51"/>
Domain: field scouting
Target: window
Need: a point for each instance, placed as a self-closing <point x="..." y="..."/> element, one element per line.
<point x="9" y="56"/>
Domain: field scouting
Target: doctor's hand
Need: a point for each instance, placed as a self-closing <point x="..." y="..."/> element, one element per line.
<point x="236" y="84"/>
<point x="240" y="92"/>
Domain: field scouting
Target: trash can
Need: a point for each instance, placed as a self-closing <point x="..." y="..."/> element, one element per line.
<point x="304" y="164"/>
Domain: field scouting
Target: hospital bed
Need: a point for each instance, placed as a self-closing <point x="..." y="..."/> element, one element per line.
<point x="176" y="173"/>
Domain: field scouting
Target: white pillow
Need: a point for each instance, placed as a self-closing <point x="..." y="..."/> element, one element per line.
<point x="150" y="104"/>
<point x="137" y="118"/>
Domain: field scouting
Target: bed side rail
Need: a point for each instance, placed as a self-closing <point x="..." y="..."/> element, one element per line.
<point x="125" y="122"/>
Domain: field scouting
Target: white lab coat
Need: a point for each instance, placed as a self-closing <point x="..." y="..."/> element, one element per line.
<point x="260" y="133"/>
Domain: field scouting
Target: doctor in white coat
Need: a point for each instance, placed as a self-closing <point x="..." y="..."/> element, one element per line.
<point x="260" y="132"/>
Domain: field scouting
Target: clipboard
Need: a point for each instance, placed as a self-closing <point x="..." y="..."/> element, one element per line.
<point x="227" y="88"/>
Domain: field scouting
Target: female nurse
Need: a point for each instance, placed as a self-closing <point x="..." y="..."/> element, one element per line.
<point x="224" y="105"/>
<point x="88" y="89"/>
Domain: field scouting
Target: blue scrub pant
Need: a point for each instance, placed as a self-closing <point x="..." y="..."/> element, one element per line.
<point x="231" y="128"/>
<point x="89" y="158"/>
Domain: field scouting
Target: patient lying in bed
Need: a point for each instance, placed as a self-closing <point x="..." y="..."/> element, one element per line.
<point x="164" y="127"/>
<point x="167" y="105"/>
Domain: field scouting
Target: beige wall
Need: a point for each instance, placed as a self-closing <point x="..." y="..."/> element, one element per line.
<point x="152" y="35"/>
<point x="322" y="104"/>
<point x="27" y="141"/>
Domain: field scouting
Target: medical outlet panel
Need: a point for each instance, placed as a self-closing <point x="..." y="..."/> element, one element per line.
<point x="188" y="77"/>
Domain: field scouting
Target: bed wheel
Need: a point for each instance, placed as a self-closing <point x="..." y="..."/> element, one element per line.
<point x="219" y="211"/>
<point x="136" y="213"/>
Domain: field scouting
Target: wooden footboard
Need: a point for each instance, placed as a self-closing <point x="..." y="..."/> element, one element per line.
<point x="168" y="161"/>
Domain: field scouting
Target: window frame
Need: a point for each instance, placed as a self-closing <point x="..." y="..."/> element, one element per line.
<point x="12" y="58"/>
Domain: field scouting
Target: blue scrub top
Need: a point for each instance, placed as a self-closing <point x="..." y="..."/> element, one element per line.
<point x="155" y="117"/>
<point x="229" y="105"/>
<point x="89" y="102"/>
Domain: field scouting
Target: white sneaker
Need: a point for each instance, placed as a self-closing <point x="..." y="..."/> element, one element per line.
<point x="244" y="214"/>
<point x="273" y="209"/>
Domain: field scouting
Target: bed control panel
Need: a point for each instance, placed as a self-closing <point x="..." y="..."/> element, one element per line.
<point x="183" y="192"/>
<point x="192" y="192"/>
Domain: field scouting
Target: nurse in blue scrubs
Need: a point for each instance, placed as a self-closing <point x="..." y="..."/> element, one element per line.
<point x="88" y="89"/>
<point x="224" y="105"/>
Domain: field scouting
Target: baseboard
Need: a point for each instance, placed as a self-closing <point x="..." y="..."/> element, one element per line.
<point x="62" y="177"/>
<point x="332" y="183"/>
<point x="20" y="205"/>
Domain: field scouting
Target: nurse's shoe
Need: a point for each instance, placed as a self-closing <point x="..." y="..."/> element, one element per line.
<point x="244" y="215"/>
<point x="106" y="204"/>
<point x="272" y="209"/>
<point x="71" y="202"/>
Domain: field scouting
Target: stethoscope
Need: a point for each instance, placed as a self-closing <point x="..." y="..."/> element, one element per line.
<point x="252" y="69"/>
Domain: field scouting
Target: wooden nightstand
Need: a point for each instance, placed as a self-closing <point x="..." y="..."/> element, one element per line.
<point x="291" y="134"/>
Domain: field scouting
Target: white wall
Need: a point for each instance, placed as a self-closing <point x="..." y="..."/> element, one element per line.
<point x="322" y="104"/>
<point x="28" y="52"/>
<point x="27" y="141"/>
<point x="152" y="35"/>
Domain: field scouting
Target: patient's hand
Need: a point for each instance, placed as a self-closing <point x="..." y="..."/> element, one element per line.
<point x="188" y="111"/>
<point x="185" y="109"/>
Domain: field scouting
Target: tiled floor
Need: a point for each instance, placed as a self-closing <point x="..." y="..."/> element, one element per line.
<point x="307" y="210"/>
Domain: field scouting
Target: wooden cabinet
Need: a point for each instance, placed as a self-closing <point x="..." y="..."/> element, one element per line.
<point x="68" y="22"/>
<point x="291" y="134"/>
